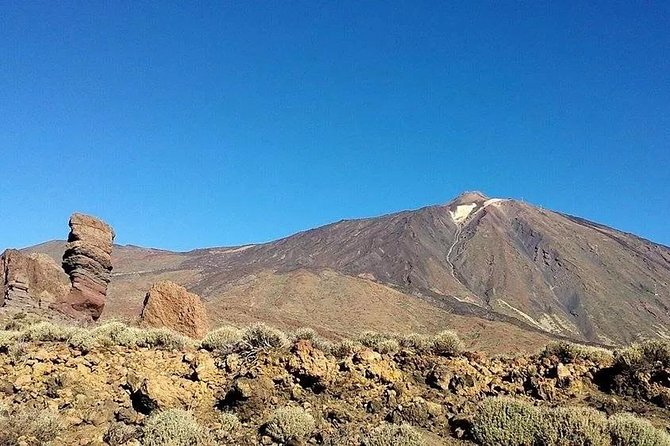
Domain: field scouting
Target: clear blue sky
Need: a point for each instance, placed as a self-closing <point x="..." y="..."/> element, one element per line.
<point x="236" y="122"/>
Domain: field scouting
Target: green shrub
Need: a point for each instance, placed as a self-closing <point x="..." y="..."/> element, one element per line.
<point x="228" y="429"/>
<point x="222" y="338"/>
<point x="36" y="427"/>
<point x="568" y="352"/>
<point x="394" y="435"/>
<point x="115" y="333"/>
<point x="506" y="422"/>
<point x="174" y="427"/>
<point x="447" y="343"/>
<point x="261" y="336"/>
<point x="628" y="430"/>
<point x="290" y="423"/>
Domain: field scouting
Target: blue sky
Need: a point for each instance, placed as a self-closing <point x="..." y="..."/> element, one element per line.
<point x="237" y="122"/>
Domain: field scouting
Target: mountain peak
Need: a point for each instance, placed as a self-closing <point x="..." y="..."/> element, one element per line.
<point x="468" y="197"/>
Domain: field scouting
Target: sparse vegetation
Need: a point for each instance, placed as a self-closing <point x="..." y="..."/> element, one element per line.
<point x="290" y="423"/>
<point x="33" y="426"/>
<point x="174" y="427"/>
<point x="380" y="342"/>
<point x="568" y="352"/>
<point x="628" y="430"/>
<point x="447" y="343"/>
<point x="222" y="338"/>
<point x="507" y="421"/>
<point x="417" y="342"/>
<point x="227" y="430"/>
<point x="261" y="336"/>
<point x="394" y="435"/>
<point x="345" y="348"/>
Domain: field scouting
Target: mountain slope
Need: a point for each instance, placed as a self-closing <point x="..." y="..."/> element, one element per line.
<point x="475" y="260"/>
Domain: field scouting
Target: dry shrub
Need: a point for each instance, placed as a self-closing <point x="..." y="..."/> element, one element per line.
<point x="447" y="343"/>
<point x="345" y="348"/>
<point x="506" y="422"/>
<point x="510" y="422"/>
<point x="175" y="427"/>
<point x="394" y="435"/>
<point x="34" y="426"/>
<point x="223" y="338"/>
<point x="46" y="332"/>
<point x="568" y="352"/>
<point x="261" y="336"/>
<point x="290" y="423"/>
<point x="417" y="342"/>
<point x="228" y="429"/>
<point x="628" y="430"/>
<point x="380" y="342"/>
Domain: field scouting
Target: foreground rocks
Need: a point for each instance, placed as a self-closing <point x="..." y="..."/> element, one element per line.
<point x="170" y="305"/>
<point x="88" y="262"/>
<point x="106" y="394"/>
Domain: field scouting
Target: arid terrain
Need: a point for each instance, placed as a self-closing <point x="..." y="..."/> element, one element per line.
<point x="505" y="274"/>
<point x="483" y="321"/>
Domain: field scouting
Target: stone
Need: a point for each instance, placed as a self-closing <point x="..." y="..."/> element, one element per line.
<point x="88" y="262"/>
<point x="170" y="305"/>
<point x="30" y="280"/>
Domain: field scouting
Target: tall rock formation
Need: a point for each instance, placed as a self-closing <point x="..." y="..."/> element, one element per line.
<point x="88" y="262"/>
<point x="170" y="305"/>
<point x="30" y="280"/>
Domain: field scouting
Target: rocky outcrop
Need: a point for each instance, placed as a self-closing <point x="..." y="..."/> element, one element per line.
<point x="88" y="262"/>
<point x="30" y="280"/>
<point x="170" y="305"/>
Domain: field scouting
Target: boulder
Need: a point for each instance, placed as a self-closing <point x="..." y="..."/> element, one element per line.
<point x="170" y="305"/>
<point x="88" y="262"/>
<point x="30" y="280"/>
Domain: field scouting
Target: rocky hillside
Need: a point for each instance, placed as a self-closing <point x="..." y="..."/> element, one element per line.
<point x="497" y="270"/>
<point x="118" y="385"/>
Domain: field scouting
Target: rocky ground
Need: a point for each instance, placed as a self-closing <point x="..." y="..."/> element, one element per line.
<point x="106" y="385"/>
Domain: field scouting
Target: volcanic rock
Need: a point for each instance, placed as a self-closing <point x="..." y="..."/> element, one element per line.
<point x="30" y="280"/>
<point x="88" y="262"/>
<point x="170" y="305"/>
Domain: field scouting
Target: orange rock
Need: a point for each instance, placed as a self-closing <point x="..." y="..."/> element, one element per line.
<point x="170" y="305"/>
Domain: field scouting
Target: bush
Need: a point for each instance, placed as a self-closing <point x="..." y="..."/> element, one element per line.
<point x="161" y="338"/>
<point x="221" y="339"/>
<point x="573" y="426"/>
<point x="345" y="348"/>
<point x="380" y="342"/>
<point x="628" y="430"/>
<point x="290" y="423"/>
<point x="37" y="427"/>
<point x="305" y="334"/>
<point x="46" y="332"/>
<point x="645" y="354"/>
<point x="119" y="434"/>
<point x="447" y="343"/>
<point x="228" y="430"/>
<point x="417" y="342"/>
<point x="394" y="435"/>
<point x="81" y="339"/>
<point x="116" y="333"/>
<point x="8" y="339"/>
<point x="568" y="352"/>
<point x="260" y="336"/>
<point x="506" y="422"/>
<point x="174" y="427"/>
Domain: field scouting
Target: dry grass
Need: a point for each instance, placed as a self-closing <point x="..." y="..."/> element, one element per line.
<point x="32" y="426"/>
<point x="175" y="427"/>
<point x="568" y="352"/>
